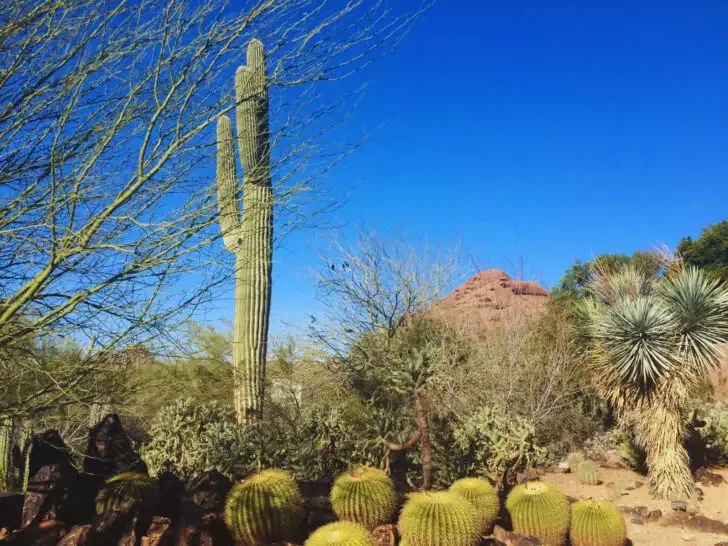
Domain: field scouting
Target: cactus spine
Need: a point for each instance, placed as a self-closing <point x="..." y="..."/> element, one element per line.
<point x="265" y="508"/>
<point x="541" y="510"/>
<point x="484" y="499"/>
<point x="340" y="533"/>
<point x="597" y="523"/>
<point x="438" y="519"/>
<point x="589" y="473"/>
<point x="248" y="235"/>
<point x="364" y="495"/>
<point x="125" y="489"/>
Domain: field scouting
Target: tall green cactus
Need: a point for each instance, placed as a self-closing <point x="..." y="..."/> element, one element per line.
<point x="248" y="235"/>
<point x="6" y="455"/>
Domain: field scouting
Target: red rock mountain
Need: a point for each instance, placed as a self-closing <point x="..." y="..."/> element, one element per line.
<point x="490" y="298"/>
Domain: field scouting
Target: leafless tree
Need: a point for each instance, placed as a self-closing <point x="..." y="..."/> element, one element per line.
<point x="107" y="200"/>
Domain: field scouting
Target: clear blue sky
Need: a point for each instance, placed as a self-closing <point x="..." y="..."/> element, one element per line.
<point x="546" y="130"/>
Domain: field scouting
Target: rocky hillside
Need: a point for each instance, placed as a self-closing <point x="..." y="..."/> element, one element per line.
<point x="491" y="298"/>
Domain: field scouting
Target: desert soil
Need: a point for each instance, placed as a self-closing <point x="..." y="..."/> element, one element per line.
<point x="622" y="487"/>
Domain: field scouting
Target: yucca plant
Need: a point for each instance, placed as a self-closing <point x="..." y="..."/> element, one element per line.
<point x="123" y="490"/>
<point x="340" y="533"/>
<point x="541" y="510"/>
<point x="364" y="495"/>
<point x="265" y="508"/>
<point x="438" y="519"/>
<point x="652" y="340"/>
<point x="483" y="497"/>
<point x="597" y="523"/>
<point x="589" y="473"/>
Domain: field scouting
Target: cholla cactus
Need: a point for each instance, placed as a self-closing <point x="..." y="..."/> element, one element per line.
<point x="438" y="519"/>
<point x="541" y="510"/>
<point x="249" y="237"/>
<point x="340" y="533"/>
<point x="364" y="495"/>
<point x="597" y="523"/>
<point x="265" y="508"/>
<point x="484" y="499"/>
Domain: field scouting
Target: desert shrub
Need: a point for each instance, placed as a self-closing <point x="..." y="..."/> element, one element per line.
<point x="497" y="445"/>
<point x="715" y="432"/>
<point x="189" y="437"/>
<point x="616" y="443"/>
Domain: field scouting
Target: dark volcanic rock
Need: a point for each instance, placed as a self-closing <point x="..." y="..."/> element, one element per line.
<point x="171" y="492"/>
<point x="11" y="510"/>
<point x="53" y="492"/>
<point x="110" y="450"/>
<point x="205" y="495"/>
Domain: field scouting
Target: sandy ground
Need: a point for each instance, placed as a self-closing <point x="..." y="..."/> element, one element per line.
<point x="622" y="488"/>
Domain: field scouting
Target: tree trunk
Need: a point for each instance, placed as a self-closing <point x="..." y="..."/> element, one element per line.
<point x="425" y="446"/>
<point x="660" y="431"/>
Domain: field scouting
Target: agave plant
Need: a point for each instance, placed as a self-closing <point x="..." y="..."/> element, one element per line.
<point x="652" y="339"/>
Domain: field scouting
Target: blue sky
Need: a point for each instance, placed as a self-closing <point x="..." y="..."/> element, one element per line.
<point x="548" y="131"/>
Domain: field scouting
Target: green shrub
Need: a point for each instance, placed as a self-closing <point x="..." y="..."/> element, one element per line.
<point x="494" y="444"/>
<point x="265" y="508"/>
<point x="365" y="496"/>
<point x="597" y="523"/>
<point x="438" y="519"/>
<point x="189" y="437"/>
<point x="541" y="510"/>
<point x="340" y="533"/>
<point x="484" y="499"/>
<point x="588" y="473"/>
<point x="715" y="432"/>
<point x="124" y="489"/>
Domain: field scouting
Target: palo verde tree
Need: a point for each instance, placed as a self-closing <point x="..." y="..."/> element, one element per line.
<point x="107" y="211"/>
<point x="652" y="340"/>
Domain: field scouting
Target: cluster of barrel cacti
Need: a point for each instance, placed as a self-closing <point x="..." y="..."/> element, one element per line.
<point x="15" y="448"/>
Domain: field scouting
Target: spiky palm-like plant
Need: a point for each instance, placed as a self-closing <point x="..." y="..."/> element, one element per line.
<point x="364" y="495"/>
<point x="340" y="533"/>
<point x="541" y="510"/>
<point x="249" y="237"/>
<point x="265" y="508"/>
<point x="597" y="523"/>
<point x="483" y="497"/>
<point x="653" y="338"/>
<point x="438" y="519"/>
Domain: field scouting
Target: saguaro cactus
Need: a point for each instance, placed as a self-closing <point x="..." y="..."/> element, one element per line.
<point x="248" y="233"/>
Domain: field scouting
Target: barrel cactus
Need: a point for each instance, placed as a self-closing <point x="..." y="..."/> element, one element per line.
<point x="340" y="533"/>
<point x="597" y="523"/>
<point x="484" y="499"/>
<point x="541" y="510"/>
<point x="438" y="519"/>
<point x="123" y="490"/>
<point x="266" y="507"/>
<point x="589" y="473"/>
<point x="364" y="495"/>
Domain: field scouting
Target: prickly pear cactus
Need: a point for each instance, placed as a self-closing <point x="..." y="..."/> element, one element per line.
<point x="597" y="523"/>
<point x="340" y="533"/>
<point x="438" y="519"/>
<point x="484" y="498"/>
<point x="589" y="473"/>
<point x="541" y="510"/>
<point x="364" y="495"/>
<point x="265" y="508"/>
<point x="125" y="489"/>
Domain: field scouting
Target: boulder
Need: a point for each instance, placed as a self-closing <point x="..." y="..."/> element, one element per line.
<point x="205" y="495"/>
<point x="110" y="451"/>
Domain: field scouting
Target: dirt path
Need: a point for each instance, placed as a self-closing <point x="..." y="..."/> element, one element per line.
<point x="622" y="487"/>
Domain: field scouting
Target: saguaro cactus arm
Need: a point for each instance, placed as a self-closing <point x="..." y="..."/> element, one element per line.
<point x="227" y="185"/>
